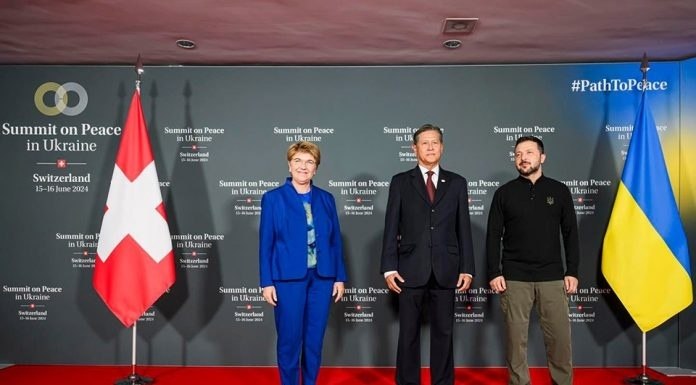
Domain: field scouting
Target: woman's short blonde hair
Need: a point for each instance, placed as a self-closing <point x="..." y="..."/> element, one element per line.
<point x="307" y="147"/>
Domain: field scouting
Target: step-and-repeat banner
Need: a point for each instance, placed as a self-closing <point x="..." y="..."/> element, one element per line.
<point x="220" y="135"/>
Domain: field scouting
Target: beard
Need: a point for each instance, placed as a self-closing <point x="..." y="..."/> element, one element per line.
<point x="531" y="170"/>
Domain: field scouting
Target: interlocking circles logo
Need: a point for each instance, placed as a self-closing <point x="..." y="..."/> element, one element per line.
<point x="67" y="99"/>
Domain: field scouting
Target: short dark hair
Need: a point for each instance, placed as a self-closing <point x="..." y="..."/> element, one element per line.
<point x="531" y="138"/>
<point x="426" y="127"/>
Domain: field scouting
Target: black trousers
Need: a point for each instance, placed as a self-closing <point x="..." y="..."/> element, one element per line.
<point x="440" y="306"/>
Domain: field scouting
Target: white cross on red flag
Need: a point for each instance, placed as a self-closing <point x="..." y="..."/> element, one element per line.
<point x="135" y="260"/>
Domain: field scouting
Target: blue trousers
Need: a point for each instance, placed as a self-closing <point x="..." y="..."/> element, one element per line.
<point x="301" y="316"/>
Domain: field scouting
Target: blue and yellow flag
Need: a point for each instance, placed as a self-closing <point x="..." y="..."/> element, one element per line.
<point x="645" y="256"/>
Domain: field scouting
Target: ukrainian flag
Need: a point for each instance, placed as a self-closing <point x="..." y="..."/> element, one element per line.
<point x="645" y="256"/>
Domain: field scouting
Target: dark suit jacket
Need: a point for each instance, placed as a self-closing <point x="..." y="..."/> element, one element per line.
<point x="283" y="236"/>
<point x="421" y="238"/>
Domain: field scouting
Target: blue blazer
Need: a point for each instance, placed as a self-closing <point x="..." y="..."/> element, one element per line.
<point x="283" y="236"/>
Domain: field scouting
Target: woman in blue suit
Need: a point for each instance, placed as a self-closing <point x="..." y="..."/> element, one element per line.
<point x="301" y="264"/>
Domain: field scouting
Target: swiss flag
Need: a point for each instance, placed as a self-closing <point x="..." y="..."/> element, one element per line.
<point x="135" y="260"/>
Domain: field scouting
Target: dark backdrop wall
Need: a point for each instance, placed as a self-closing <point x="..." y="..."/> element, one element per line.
<point x="220" y="136"/>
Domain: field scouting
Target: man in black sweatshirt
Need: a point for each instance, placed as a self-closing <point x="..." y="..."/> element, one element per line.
<point x="528" y="214"/>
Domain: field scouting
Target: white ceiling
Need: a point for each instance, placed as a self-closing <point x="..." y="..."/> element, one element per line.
<point x="350" y="32"/>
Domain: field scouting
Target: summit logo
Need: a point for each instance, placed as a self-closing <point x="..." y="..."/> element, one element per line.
<point x="53" y="99"/>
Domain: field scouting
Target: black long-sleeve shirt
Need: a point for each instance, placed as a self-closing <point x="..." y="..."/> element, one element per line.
<point x="529" y="217"/>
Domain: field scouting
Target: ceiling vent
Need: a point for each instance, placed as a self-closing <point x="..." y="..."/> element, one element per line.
<point x="459" y="25"/>
<point x="452" y="43"/>
<point x="186" y="44"/>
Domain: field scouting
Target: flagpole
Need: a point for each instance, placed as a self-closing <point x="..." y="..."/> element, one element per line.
<point x="643" y="378"/>
<point x="644" y="361"/>
<point x="134" y="378"/>
<point x="668" y="371"/>
<point x="135" y="329"/>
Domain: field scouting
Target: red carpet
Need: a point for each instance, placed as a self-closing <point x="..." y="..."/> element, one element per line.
<point x="174" y="375"/>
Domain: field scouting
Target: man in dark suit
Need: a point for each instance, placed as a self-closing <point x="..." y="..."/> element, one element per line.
<point x="427" y="253"/>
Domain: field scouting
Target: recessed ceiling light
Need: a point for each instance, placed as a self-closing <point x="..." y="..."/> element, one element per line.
<point x="186" y="44"/>
<point x="460" y="25"/>
<point x="452" y="43"/>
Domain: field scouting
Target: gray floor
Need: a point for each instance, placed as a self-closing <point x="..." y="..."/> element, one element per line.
<point x="671" y="371"/>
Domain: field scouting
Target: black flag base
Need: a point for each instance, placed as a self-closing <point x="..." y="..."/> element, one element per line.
<point x="642" y="379"/>
<point x="134" y="379"/>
